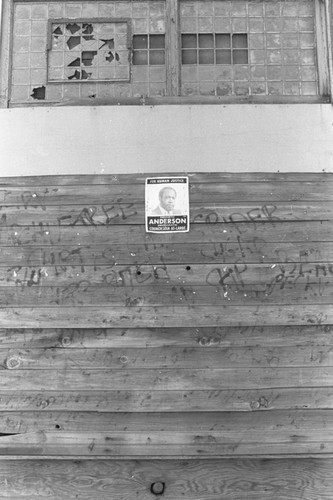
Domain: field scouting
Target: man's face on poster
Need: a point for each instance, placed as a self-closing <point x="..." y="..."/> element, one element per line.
<point x="168" y="199"/>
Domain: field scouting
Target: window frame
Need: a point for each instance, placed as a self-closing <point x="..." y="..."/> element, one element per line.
<point x="323" y="16"/>
<point x="82" y="20"/>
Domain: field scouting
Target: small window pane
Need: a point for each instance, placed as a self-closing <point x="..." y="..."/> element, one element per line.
<point x="189" y="57"/>
<point x="140" y="41"/>
<point x="156" y="41"/>
<point x="240" y="57"/>
<point x="222" y="41"/>
<point x="223" y="56"/>
<point x="140" y="57"/>
<point x="189" y="41"/>
<point x="157" y="57"/>
<point x="206" y="41"/>
<point x="88" y="57"/>
<point x="206" y="56"/>
<point x="239" y="41"/>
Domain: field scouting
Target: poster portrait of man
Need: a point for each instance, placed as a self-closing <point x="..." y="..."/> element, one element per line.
<point x="167" y="204"/>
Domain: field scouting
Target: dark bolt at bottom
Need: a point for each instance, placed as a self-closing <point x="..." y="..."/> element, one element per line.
<point x="157" y="488"/>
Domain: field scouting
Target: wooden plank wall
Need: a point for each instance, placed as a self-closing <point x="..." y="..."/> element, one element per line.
<point x="193" y="366"/>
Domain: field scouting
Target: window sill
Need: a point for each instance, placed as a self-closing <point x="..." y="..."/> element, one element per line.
<point x="179" y="100"/>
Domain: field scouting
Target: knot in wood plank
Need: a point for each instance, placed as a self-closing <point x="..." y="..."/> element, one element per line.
<point x="13" y="362"/>
<point x="157" y="488"/>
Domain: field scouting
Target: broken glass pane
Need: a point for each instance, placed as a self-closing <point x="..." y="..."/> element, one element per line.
<point x="76" y="62"/>
<point x="87" y="30"/>
<point x="85" y="75"/>
<point x="38" y="93"/>
<point x="75" y="75"/>
<point x="107" y="43"/>
<point x="58" y="31"/>
<point x="73" y="28"/>
<point x="88" y="57"/>
<point x="73" y="42"/>
<point x="96" y="45"/>
<point x="109" y="57"/>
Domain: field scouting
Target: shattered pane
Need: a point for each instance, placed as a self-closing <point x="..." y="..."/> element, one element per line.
<point x="75" y="75"/>
<point x="57" y="31"/>
<point x="87" y="29"/>
<point x="85" y="75"/>
<point x="108" y="43"/>
<point x="38" y="93"/>
<point x="99" y="45"/>
<point x="73" y="42"/>
<point x="73" y="28"/>
<point x="88" y="56"/>
<point x="109" y="57"/>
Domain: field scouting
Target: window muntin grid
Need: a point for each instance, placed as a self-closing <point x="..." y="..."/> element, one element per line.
<point x="282" y="48"/>
<point x="214" y="48"/>
<point x="148" y="50"/>
<point x="88" y="50"/>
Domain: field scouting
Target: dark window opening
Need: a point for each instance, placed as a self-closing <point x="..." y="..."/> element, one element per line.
<point x="149" y="49"/>
<point x="214" y="48"/>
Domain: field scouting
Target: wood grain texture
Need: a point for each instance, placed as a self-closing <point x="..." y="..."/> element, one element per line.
<point x="247" y="426"/>
<point x="283" y="289"/>
<point x="320" y="398"/>
<point x="212" y="343"/>
<point x="232" y="479"/>
<point x="168" y="357"/>
<point x="122" y="213"/>
<point x="169" y="445"/>
<point x="165" y="379"/>
<point x="200" y="316"/>
<point x="303" y="231"/>
<point x="251" y="250"/>
<point x="133" y="179"/>
<point x="259" y="335"/>
<point x="249" y="191"/>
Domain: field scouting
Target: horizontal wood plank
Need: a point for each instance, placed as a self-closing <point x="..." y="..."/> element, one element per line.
<point x="138" y="178"/>
<point x="250" y="251"/>
<point x="127" y="193"/>
<point x="166" y="357"/>
<point x="249" y="425"/>
<point x="319" y="398"/>
<point x="239" y="232"/>
<point x="150" y="444"/>
<point x="199" y="316"/>
<point x="166" y="379"/>
<point x="231" y="479"/>
<point x="258" y="335"/>
<point x="83" y="293"/>
<point x="134" y="213"/>
<point x="76" y="279"/>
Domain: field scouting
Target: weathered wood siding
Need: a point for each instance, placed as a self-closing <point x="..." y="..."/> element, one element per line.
<point x="212" y="349"/>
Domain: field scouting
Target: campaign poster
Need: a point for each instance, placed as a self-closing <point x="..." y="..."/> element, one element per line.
<point x="167" y="204"/>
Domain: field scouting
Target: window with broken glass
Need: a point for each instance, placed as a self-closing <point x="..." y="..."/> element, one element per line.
<point x="89" y="50"/>
<point x="126" y="49"/>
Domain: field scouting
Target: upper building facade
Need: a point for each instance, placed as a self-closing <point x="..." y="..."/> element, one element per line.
<point x="161" y="51"/>
<point x="165" y="85"/>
